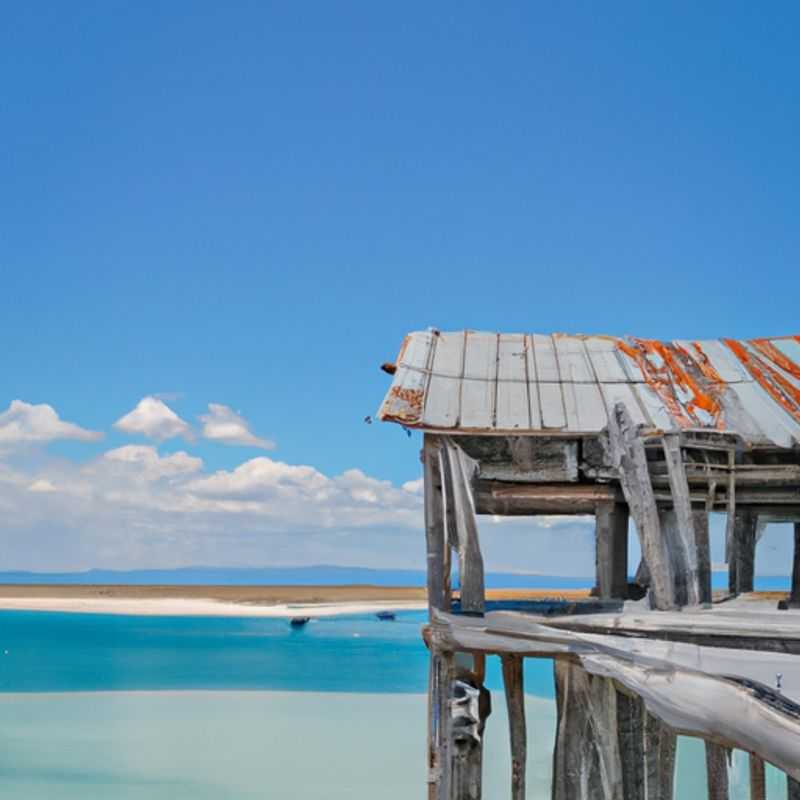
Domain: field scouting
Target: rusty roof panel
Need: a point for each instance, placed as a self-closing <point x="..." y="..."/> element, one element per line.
<point x="470" y="381"/>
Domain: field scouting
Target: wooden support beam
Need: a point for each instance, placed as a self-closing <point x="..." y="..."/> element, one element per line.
<point x="440" y="673"/>
<point x="495" y="497"/>
<point x="660" y="746"/>
<point x="513" y="683"/>
<point x="703" y="543"/>
<point x="742" y="552"/>
<point x="717" y="771"/>
<point x="630" y="459"/>
<point x="586" y="760"/>
<point x="758" y="784"/>
<point x="438" y="548"/>
<point x="682" y="539"/>
<point x="794" y="597"/>
<point x="458" y="470"/>
<point x="611" y="551"/>
<point x="470" y="706"/>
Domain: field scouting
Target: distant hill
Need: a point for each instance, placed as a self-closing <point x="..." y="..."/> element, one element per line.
<point x="320" y="575"/>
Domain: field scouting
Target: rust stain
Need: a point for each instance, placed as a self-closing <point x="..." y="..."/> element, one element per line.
<point x="410" y="402"/>
<point x="694" y="376"/>
<point x="658" y="378"/>
<point x="781" y="391"/>
<point x="767" y="349"/>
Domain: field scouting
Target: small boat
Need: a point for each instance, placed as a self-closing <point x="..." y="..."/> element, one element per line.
<point x="298" y="622"/>
<point x="385" y="615"/>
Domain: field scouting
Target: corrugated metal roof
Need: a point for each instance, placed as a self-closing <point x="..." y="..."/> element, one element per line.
<point x="560" y="384"/>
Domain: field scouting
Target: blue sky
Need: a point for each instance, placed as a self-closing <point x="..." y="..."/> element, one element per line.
<point x="249" y="204"/>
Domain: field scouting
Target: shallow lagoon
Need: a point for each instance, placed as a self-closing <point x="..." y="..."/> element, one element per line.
<point x="334" y="710"/>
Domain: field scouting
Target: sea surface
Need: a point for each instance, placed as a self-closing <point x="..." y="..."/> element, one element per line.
<point x="99" y="707"/>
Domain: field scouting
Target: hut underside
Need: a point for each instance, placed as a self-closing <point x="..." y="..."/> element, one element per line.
<point x="629" y="676"/>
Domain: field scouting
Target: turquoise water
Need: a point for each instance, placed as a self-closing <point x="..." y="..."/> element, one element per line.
<point x="102" y="707"/>
<point x="59" y="652"/>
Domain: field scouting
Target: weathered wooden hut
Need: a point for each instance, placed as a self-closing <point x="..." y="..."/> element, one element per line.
<point x="663" y="434"/>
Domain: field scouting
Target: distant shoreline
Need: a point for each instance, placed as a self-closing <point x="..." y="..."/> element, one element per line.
<point x="235" y="601"/>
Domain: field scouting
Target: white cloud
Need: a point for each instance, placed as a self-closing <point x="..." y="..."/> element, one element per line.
<point x="223" y="424"/>
<point x="147" y="462"/>
<point x="414" y="487"/>
<point x="154" y="419"/>
<point x="23" y="423"/>
<point x="42" y="485"/>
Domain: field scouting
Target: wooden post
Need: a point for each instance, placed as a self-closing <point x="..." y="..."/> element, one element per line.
<point x="439" y="738"/>
<point x="717" y="771"/>
<point x="794" y="597"/>
<point x="630" y="459"/>
<point x="741" y="562"/>
<point x="660" y="745"/>
<point x="703" y="556"/>
<point x="758" y="784"/>
<point x="470" y="705"/>
<point x="435" y="531"/>
<point x="611" y="553"/>
<point x="464" y="526"/>
<point x="586" y="759"/>
<point x="515" y="702"/>
<point x="682" y="542"/>
<point x="792" y="789"/>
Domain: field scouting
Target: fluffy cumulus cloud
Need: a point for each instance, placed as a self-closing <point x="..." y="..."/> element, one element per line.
<point x="223" y="424"/>
<point x="154" y="419"/>
<point x="24" y="423"/>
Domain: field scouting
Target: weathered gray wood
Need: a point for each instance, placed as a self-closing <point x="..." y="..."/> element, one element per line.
<point x="495" y="497"/>
<point x="627" y="449"/>
<point x="531" y="459"/>
<point x="792" y="788"/>
<point x="794" y="597"/>
<point x="513" y="683"/>
<point x="670" y="525"/>
<point x="703" y="556"/>
<point x="586" y="760"/>
<point x="717" y="771"/>
<point x="731" y="505"/>
<point x="440" y="672"/>
<point x="741" y="564"/>
<point x="470" y="706"/>
<point x="758" y="785"/>
<point x="630" y="728"/>
<point x="611" y="553"/>
<point x="682" y="542"/>
<point x="458" y="470"/>
<point x="660" y="747"/>
<point x="438" y="548"/>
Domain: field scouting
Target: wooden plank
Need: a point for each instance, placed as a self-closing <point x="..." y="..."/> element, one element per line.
<point x="493" y="497"/>
<point x="684" y="541"/>
<point x="439" y="739"/>
<point x="513" y="406"/>
<point x="630" y="460"/>
<point x="611" y="554"/>
<point x="703" y="543"/>
<point x="457" y="468"/>
<point x="438" y="549"/>
<point x="717" y="771"/>
<point x="741" y="562"/>
<point x="478" y="390"/>
<point x="758" y="784"/>
<point x="442" y="397"/>
<point x="586" y="759"/>
<point x="660" y="748"/>
<point x="513" y="683"/>
<point x="794" y="597"/>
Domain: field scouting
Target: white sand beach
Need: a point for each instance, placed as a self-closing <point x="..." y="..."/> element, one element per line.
<point x="196" y="607"/>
